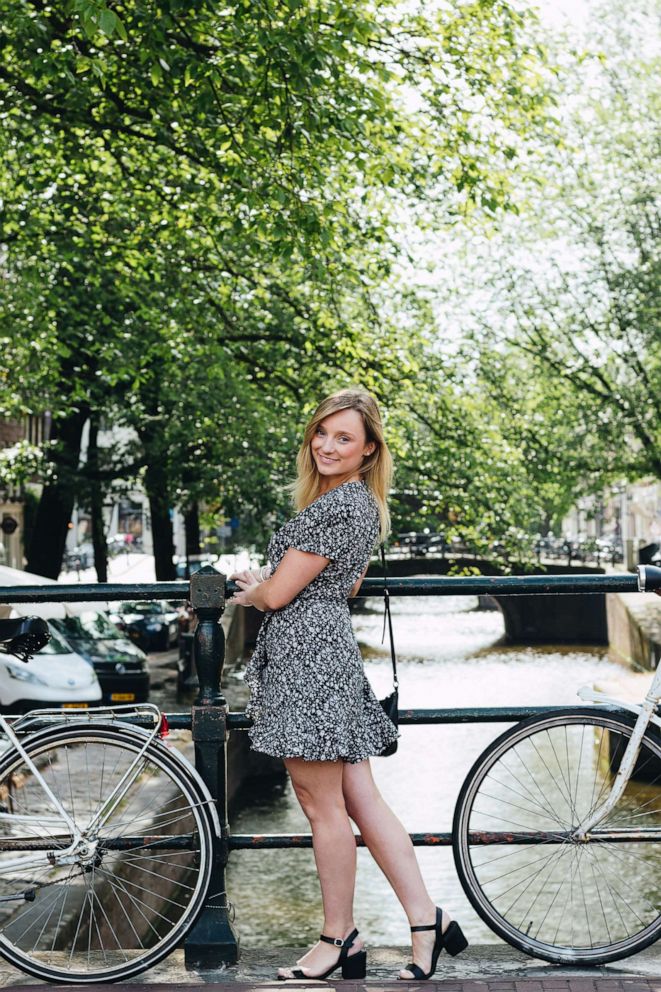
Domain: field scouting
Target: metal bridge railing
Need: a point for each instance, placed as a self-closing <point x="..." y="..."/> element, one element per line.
<point x="213" y="939"/>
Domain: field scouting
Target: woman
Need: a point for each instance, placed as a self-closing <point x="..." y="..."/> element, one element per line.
<point x="311" y="703"/>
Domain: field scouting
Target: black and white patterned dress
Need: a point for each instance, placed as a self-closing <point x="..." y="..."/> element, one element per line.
<point x="309" y="696"/>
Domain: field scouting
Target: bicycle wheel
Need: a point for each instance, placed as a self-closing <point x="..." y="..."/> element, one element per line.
<point x="549" y="895"/>
<point x="123" y="900"/>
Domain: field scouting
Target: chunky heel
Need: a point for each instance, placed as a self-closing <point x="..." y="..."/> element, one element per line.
<point x="454" y="940"/>
<point x="355" y="965"/>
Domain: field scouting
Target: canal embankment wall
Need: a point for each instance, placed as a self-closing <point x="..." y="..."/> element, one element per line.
<point x="634" y="629"/>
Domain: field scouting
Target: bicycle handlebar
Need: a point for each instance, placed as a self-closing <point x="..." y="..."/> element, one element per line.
<point x="649" y="578"/>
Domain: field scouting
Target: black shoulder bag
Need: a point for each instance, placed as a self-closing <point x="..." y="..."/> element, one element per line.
<point x="390" y="703"/>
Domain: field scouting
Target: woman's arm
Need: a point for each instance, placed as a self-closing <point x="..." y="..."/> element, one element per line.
<point x="296" y="571"/>
<point x="359" y="582"/>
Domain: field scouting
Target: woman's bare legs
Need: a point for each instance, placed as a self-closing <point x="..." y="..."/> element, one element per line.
<point x="319" y="788"/>
<point x="391" y="847"/>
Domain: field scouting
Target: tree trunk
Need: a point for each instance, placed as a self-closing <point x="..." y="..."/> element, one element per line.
<point x="192" y="524"/>
<point x="53" y="515"/>
<point x="161" y="524"/>
<point x="151" y="431"/>
<point x="96" y="505"/>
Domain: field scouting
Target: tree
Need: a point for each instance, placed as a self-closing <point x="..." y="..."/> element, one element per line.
<point x="563" y="331"/>
<point x="222" y="183"/>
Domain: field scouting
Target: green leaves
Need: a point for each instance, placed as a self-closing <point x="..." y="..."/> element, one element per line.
<point x="201" y="203"/>
<point x="566" y="334"/>
<point x="96" y="18"/>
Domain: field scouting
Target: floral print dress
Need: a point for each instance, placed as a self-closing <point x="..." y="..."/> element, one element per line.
<point x="309" y="696"/>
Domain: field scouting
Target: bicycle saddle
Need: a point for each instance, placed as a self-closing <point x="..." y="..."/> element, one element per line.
<point x="23" y="636"/>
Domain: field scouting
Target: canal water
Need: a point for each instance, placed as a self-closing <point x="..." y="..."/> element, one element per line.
<point x="449" y="654"/>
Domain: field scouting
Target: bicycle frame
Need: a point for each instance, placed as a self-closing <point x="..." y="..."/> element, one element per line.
<point x="646" y="714"/>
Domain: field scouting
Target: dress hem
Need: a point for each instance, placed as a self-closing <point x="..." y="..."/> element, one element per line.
<point x="347" y="760"/>
<point x="352" y="759"/>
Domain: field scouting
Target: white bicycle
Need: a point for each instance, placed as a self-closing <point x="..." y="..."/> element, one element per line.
<point x="106" y="837"/>
<point x="557" y="830"/>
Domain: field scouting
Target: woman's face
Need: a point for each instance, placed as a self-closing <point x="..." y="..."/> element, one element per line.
<point x="339" y="444"/>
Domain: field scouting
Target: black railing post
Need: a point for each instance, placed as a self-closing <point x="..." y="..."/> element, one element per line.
<point x="212" y="941"/>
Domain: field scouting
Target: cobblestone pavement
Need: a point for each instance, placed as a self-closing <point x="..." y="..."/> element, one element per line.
<point x="487" y="968"/>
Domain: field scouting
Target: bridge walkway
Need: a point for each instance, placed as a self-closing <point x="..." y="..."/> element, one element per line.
<point x="485" y="968"/>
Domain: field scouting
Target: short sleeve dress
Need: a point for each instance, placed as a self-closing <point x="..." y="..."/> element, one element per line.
<point x="309" y="696"/>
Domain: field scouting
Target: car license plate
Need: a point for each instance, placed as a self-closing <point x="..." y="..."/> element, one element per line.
<point x="75" y="706"/>
<point x="122" y="697"/>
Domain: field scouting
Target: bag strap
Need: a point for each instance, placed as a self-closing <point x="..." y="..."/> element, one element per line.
<point x="386" y="613"/>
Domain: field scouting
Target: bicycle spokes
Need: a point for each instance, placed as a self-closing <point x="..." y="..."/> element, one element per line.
<point x="116" y="901"/>
<point x="532" y="875"/>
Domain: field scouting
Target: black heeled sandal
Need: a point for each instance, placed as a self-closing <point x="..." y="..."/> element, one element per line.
<point x="452" y="940"/>
<point x="353" y="965"/>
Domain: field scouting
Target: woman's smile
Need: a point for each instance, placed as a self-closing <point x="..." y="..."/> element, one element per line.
<point x="344" y="432"/>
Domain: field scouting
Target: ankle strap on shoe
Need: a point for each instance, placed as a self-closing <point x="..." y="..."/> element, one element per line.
<point x="431" y="926"/>
<point x="338" y="941"/>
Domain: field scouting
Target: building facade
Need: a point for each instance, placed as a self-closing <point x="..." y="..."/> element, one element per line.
<point x="33" y="430"/>
<point x="627" y="513"/>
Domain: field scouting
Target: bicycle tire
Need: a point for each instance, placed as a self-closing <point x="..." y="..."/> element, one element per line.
<point x="123" y="905"/>
<point x="536" y="781"/>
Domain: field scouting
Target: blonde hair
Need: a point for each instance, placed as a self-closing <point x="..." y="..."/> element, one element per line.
<point x="377" y="468"/>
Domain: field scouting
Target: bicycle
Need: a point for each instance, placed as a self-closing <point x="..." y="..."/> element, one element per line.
<point x="550" y="821"/>
<point x="106" y="837"/>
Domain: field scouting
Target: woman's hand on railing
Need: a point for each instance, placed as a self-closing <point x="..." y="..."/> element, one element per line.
<point x="244" y="579"/>
<point x="246" y="575"/>
<point x="259" y="574"/>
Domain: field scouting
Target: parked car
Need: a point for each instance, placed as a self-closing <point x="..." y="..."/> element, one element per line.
<point x="414" y="544"/>
<point x="153" y="626"/>
<point x="436" y="544"/>
<point x="55" y="676"/>
<point x="120" y="665"/>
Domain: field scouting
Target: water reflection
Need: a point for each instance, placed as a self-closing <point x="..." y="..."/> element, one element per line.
<point x="449" y="654"/>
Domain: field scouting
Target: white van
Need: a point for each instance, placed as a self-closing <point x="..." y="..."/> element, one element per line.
<point x="56" y="676"/>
